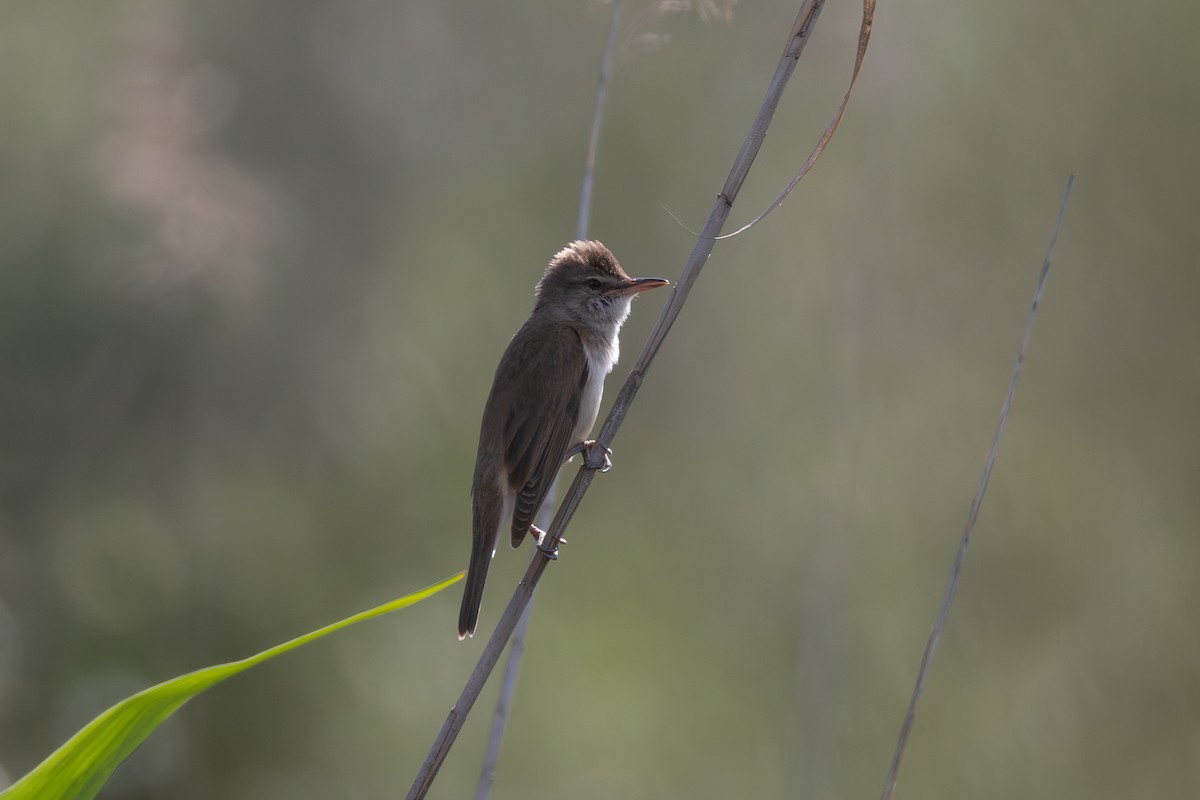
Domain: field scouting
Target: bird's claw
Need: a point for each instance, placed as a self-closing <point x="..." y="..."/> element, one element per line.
<point x="541" y="541"/>
<point x="589" y="449"/>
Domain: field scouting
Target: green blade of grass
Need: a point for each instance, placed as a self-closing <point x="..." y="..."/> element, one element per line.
<point x="81" y="766"/>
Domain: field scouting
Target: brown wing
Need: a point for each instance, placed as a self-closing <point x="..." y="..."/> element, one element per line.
<point x="552" y="378"/>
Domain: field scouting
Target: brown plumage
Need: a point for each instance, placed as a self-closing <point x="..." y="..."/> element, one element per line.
<point x="544" y="399"/>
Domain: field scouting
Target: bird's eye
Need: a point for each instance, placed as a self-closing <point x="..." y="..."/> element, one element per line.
<point x="593" y="284"/>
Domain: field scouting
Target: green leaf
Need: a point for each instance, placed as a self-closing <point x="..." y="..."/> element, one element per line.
<point x="81" y="766"/>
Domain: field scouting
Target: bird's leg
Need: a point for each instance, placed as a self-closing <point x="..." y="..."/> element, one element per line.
<point x="588" y="448"/>
<point x="549" y="552"/>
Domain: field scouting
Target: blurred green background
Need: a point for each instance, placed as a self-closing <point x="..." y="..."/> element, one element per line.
<point x="258" y="262"/>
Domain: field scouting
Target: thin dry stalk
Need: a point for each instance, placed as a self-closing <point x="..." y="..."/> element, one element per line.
<point x="944" y="609"/>
<point x="508" y="687"/>
<point x="797" y="39"/>
<point x="589" y="171"/>
<point x="508" y="684"/>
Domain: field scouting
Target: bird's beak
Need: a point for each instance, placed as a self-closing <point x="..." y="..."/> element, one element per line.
<point x="640" y="285"/>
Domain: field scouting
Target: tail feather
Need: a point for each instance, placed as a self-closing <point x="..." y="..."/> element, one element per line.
<point x="490" y="503"/>
<point x="481" y="559"/>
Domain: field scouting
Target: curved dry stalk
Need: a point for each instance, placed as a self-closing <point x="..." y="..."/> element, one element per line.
<point x="797" y="39"/>
<point x="944" y="609"/>
<point x="864" y="38"/>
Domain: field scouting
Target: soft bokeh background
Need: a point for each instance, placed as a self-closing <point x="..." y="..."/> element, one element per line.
<point x="258" y="261"/>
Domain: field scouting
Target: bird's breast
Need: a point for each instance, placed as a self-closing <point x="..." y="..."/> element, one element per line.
<point x="601" y="358"/>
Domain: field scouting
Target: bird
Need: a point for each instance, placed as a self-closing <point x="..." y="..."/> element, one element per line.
<point x="544" y="399"/>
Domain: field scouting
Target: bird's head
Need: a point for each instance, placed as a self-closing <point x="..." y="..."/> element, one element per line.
<point x="585" y="284"/>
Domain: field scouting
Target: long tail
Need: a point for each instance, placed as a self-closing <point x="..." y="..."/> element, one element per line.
<point x="481" y="559"/>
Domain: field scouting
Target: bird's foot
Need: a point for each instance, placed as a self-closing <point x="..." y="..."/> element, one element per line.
<point x="603" y="463"/>
<point x="542" y="545"/>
